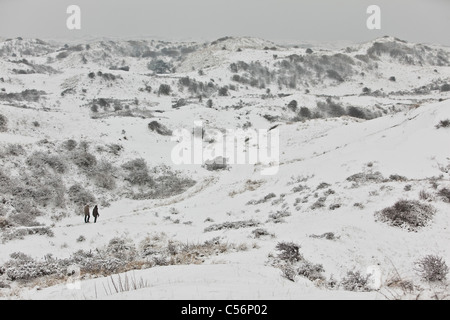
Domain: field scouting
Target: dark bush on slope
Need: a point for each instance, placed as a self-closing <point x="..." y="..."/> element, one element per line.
<point x="432" y="268"/>
<point x="410" y="214"/>
<point x="137" y="172"/>
<point x="80" y="196"/>
<point x="159" y="128"/>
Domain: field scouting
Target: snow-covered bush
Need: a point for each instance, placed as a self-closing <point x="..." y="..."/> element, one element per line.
<point x="260" y="232"/>
<point x="164" y="89"/>
<point x="22" y="267"/>
<point x="24" y="219"/>
<point x="311" y="271"/>
<point x="363" y="177"/>
<point x="159" y="128"/>
<point x="329" y="108"/>
<point x="122" y="249"/>
<point x="288" y="271"/>
<point x="20" y="234"/>
<point x="232" y="225"/>
<point x="410" y="214"/>
<point x="355" y="281"/>
<point x="263" y="200"/>
<point x="289" y="252"/>
<point x="69" y="144"/>
<point x="326" y="235"/>
<point x="278" y="217"/>
<point x="159" y="66"/>
<point x="83" y="159"/>
<point x="80" y="196"/>
<point x="219" y="163"/>
<point x="432" y="268"/>
<point x="13" y="149"/>
<point x="103" y="175"/>
<point x="445" y="87"/>
<point x="223" y="91"/>
<point x="40" y="160"/>
<point x="137" y="172"/>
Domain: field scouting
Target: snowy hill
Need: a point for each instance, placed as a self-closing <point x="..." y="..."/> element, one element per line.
<point x="362" y="185"/>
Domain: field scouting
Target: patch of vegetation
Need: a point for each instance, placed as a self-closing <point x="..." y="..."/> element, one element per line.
<point x="443" y="124"/>
<point x="444" y="194"/>
<point x="263" y="200"/>
<point x="355" y="281"/>
<point x="29" y="95"/>
<point x="159" y="128"/>
<point x="327" y="236"/>
<point x="409" y="214"/>
<point x="363" y="177"/>
<point x="232" y="225"/>
<point x="432" y="268"/>
<point x="80" y="196"/>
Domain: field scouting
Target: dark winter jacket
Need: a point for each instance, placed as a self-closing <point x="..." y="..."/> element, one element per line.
<point x="95" y="212"/>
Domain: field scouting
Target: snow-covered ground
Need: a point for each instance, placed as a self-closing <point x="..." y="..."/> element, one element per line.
<point x="401" y="140"/>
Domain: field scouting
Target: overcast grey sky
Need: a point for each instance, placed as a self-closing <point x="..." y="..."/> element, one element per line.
<point x="320" y="20"/>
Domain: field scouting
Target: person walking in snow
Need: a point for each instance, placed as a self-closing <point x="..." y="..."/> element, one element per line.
<point x="87" y="214"/>
<point x="95" y="214"/>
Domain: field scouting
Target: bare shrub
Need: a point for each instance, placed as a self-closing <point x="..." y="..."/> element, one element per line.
<point x="327" y="236"/>
<point x="263" y="200"/>
<point x="366" y="177"/>
<point x="407" y="213"/>
<point x="432" y="268"/>
<point x="278" y="216"/>
<point x="232" y="225"/>
<point x="289" y="252"/>
<point x="289" y="272"/>
<point x="355" y="281"/>
<point x="260" y="232"/>
<point x="311" y="271"/>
